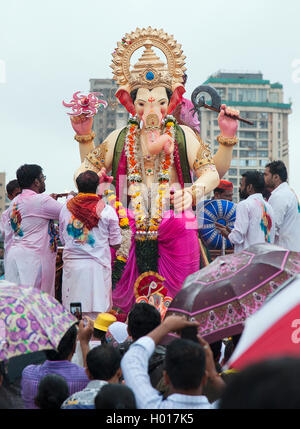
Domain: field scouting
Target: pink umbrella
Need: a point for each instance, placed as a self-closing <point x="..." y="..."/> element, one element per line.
<point x="273" y="331"/>
<point x="222" y="295"/>
<point x="30" y="320"/>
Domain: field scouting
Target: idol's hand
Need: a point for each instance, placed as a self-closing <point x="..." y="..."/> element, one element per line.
<point x="104" y="181"/>
<point x="81" y="124"/>
<point x="182" y="200"/>
<point x="228" y="125"/>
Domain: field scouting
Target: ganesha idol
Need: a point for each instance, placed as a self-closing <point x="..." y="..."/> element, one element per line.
<point x="153" y="161"/>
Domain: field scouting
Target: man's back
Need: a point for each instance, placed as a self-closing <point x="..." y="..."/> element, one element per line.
<point x="30" y="214"/>
<point x="254" y="223"/>
<point x="287" y="217"/>
<point x="32" y="374"/>
<point x="81" y="243"/>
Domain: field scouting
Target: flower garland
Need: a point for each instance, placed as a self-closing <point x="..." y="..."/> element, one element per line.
<point x="146" y="229"/>
<point x="122" y="253"/>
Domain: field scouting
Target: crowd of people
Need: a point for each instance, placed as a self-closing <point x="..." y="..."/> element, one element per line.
<point x="103" y="363"/>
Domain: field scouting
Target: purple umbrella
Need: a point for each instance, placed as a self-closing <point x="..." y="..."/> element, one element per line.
<point x="222" y="295"/>
<point x="30" y="320"/>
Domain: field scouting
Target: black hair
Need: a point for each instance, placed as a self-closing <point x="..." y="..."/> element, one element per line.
<point x="278" y="167"/>
<point x="219" y="190"/>
<point x="134" y="92"/>
<point x="185" y="364"/>
<point x="270" y="384"/>
<point x="52" y="391"/>
<point x="100" y="335"/>
<point x="65" y="346"/>
<point x="142" y="319"/>
<point x="11" y="186"/>
<point x="115" y="397"/>
<point x="87" y="182"/>
<point x="27" y="173"/>
<point x="103" y="361"/>
<point x="256" y="179"/>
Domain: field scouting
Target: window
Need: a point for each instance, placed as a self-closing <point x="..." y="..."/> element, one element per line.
<point x="232" y="171"/>
<point x="262" y="116"/>
<point x="274" y="97"/>
<point x="221" y="92"/>
<point x="243" y="163"/>
<point x="263" y="124"/>
<point x="232" y="94"/>
<point x="248" y="134"/>
<point x="279" y="134"/>
<point x="263" y="162"/>
<point x="263" y="135"/>
<point x="234" y="162"/>
<point x="262" y="144"/>
<point x="263" y="154"/>
<point x="252" y="153"/>
<point x="252" y="162"/>
<point x="247" y="94"/>
<point x="262" y="95"/>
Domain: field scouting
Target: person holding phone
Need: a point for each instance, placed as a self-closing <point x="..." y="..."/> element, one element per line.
<point x="88" y="228"/>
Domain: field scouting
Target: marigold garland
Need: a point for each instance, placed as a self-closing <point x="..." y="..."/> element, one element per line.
<point x="146" y="229"/>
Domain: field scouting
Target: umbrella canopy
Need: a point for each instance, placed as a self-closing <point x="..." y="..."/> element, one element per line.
<point x="273" y="331"/>
<point x="222" y="295"/>
<point x="30" y="320"/>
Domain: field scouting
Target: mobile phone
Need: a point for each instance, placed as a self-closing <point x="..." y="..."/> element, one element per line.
<point x="190" y="333"/>
<point x="76" y="309"/>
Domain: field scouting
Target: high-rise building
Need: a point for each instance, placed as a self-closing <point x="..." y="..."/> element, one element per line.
<point x="115" y="116"/>
<point x="259" y="101"/>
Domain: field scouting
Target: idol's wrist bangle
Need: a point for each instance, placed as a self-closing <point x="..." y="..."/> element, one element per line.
<point x="85" y="138"/>
<point x="227" y="141"/>
<point x="197" y="192"/>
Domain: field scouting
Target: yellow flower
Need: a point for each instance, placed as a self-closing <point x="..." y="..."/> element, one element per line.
<point x="124" y="222"/>
<point x="118" y="204"/>
<point x="121" y="258"/>
<point x="111" y="197"/>
<point x="122" y="213"/>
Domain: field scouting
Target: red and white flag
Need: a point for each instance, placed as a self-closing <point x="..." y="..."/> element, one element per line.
<point x="273" y="331"/>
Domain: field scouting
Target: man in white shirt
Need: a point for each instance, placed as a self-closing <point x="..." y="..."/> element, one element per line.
<point x="285" y="205"/>
<point x="12" y="189"/>
<point x="254" y="216"/>
<point x="188" y="367"/>
<point x="88" y="227"/>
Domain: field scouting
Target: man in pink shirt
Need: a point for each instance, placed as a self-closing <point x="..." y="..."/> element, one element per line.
<point x="32" y="256"/>
<point x="12" y="189"/>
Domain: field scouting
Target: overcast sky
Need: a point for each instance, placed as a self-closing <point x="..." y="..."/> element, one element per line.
<point x="50" y="49"/>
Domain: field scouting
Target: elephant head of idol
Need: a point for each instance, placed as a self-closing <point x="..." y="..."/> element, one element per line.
<point x="151" y="89"/>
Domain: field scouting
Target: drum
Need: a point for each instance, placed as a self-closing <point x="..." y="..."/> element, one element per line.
<point x="209" y="212"/>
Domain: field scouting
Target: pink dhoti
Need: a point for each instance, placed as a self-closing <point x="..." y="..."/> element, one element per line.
<point x="179" y="256"/>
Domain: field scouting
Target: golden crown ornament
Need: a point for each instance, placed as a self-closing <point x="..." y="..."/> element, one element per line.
<point x="150" y="71"/>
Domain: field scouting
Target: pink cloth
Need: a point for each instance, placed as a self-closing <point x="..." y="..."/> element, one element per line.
<point x="179" y="256"/>
<point x="30" y="260"/>
<point x="187" y="116"/>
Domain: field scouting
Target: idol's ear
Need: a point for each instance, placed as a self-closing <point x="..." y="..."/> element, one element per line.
<point x="124" y="97"/>
<point x="176" y="97"/>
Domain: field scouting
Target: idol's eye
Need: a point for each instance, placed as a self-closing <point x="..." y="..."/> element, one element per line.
<point x="140" y="104"/>
<point x="163" y="103"/>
